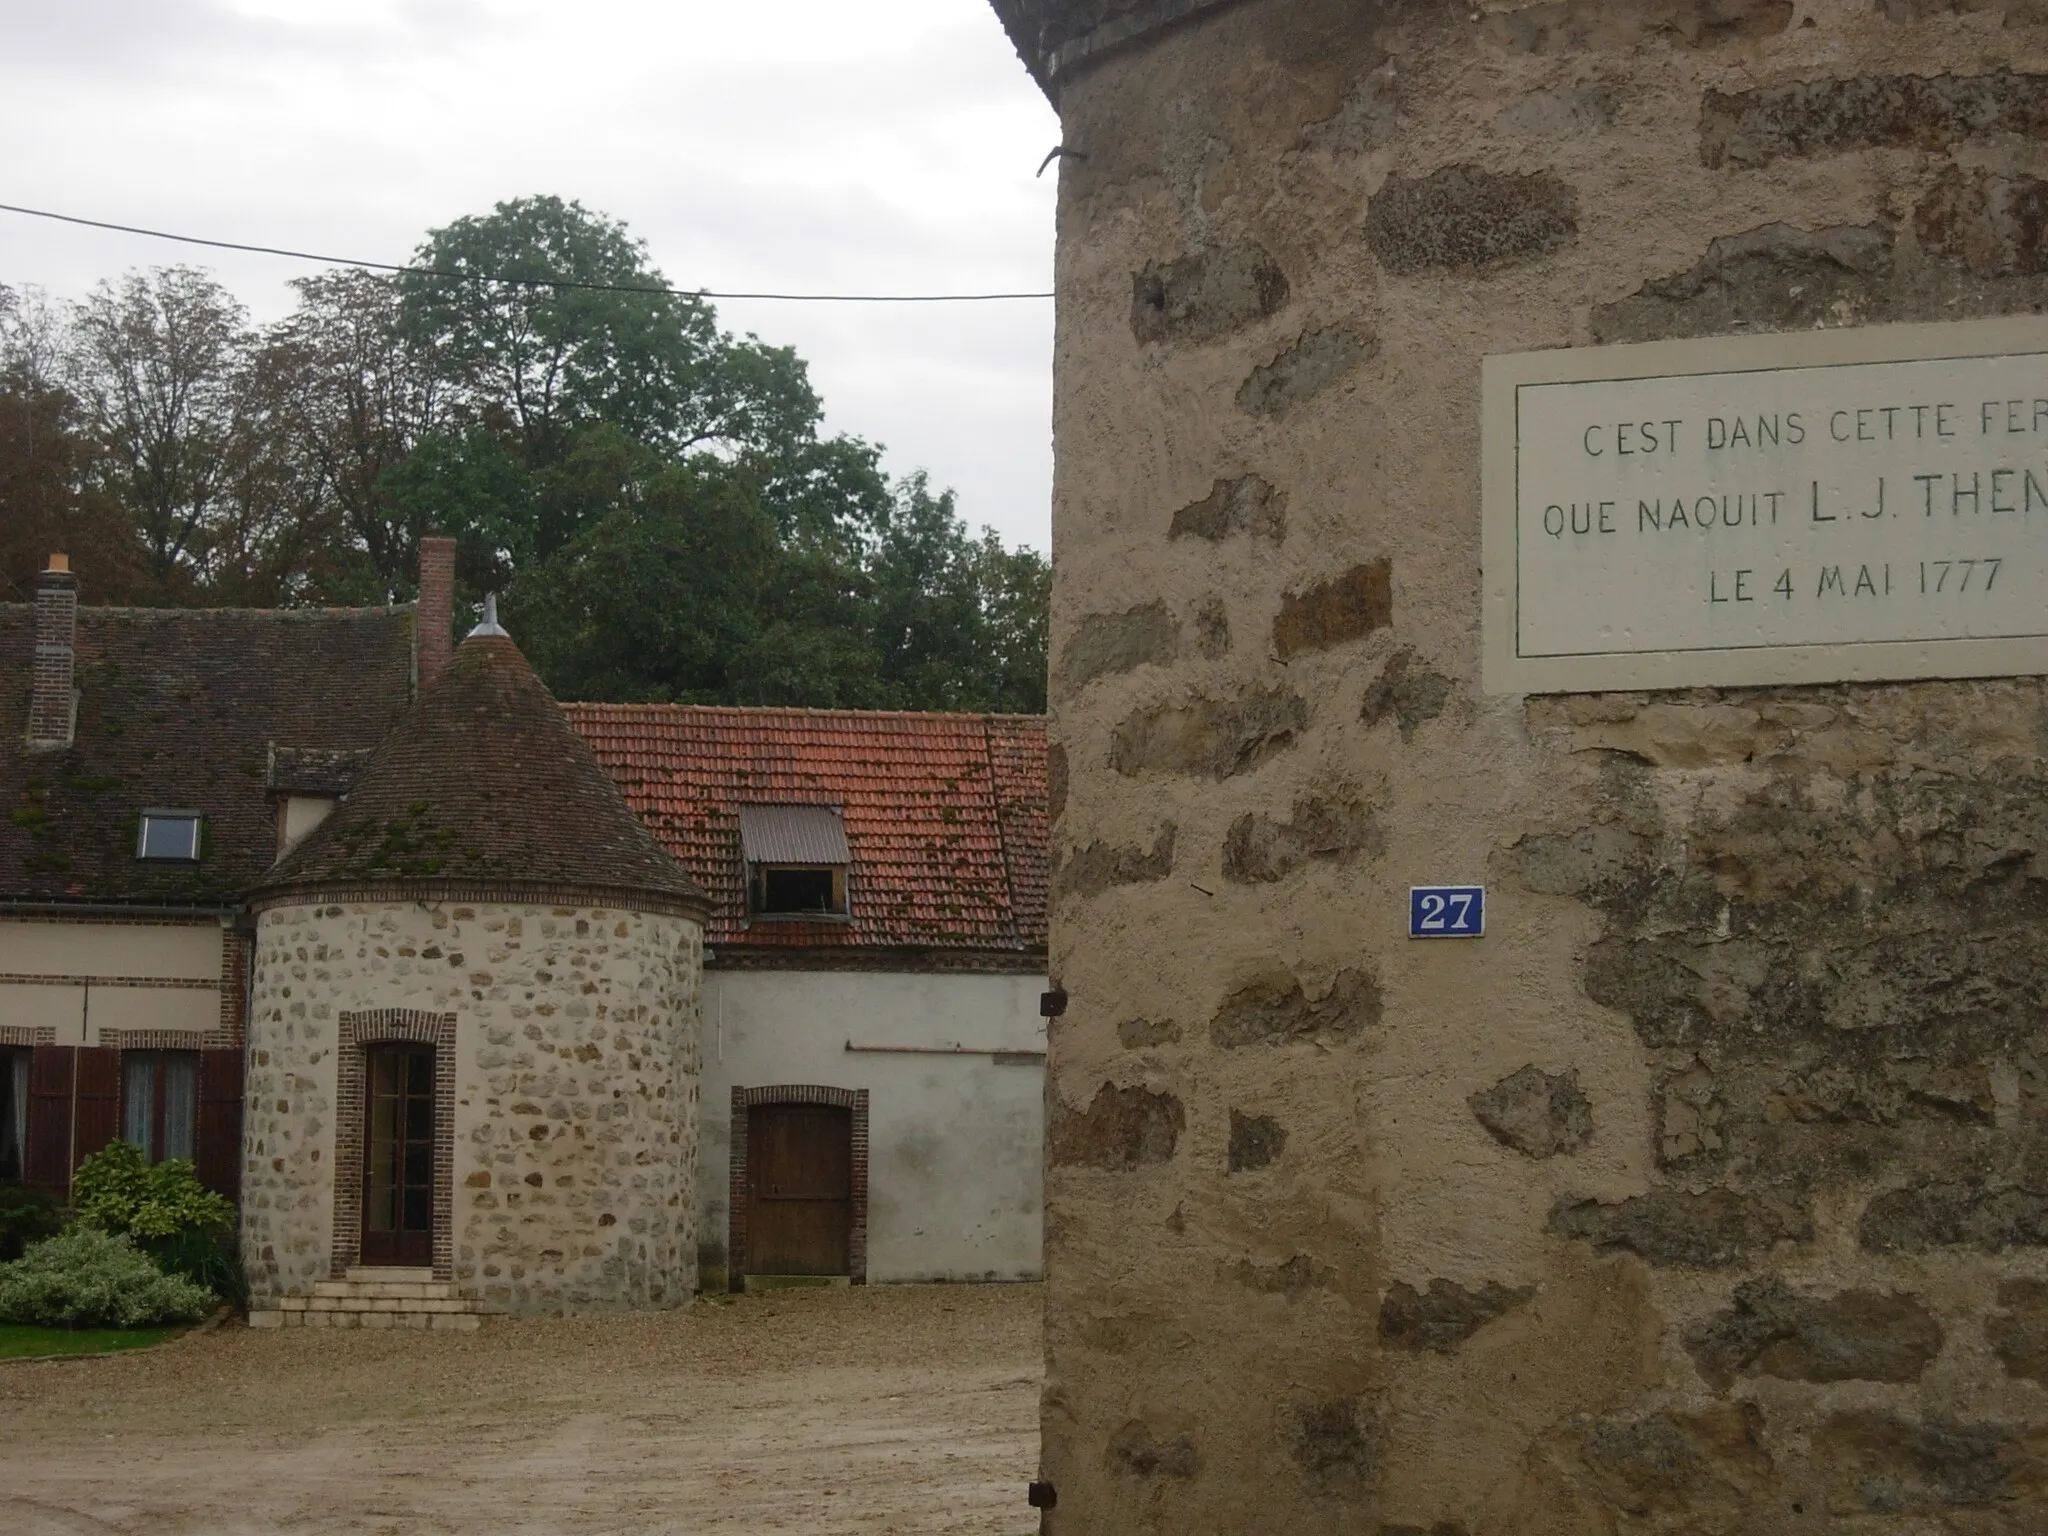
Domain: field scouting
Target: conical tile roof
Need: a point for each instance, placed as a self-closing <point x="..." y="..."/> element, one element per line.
<point x="484" y="788"/>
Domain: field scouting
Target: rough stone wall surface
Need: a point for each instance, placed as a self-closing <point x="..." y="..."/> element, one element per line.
<point x="1708" y="1193"/>
<point x="576" y="1093"/>
<point x="1056" y="37"/>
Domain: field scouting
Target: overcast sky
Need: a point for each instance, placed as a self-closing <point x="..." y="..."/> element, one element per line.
<point x="809" y="145"/>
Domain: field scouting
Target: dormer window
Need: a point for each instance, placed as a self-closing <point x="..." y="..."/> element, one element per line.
<point x="781" y="890"/>
<point x="299" y="814"/>
<point x="169" y="837"/>
<point x="797" y="861"/>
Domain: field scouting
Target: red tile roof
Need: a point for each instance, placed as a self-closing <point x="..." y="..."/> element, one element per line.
<point x="945" y="815"/>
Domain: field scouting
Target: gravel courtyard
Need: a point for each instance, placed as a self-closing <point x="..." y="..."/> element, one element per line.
<point x="880" y="1409"/>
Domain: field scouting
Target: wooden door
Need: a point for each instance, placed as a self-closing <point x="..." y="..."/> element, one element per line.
<point x="799" y="1189"/>
<point x="398" y="1156"/>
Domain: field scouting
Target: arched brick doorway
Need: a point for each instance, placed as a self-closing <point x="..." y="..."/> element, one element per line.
<point x="363" y="1038"/>
<point x="799" y="1183"/>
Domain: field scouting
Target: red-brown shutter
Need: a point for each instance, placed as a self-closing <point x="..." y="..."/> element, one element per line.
<point x="98" y="1101"/>
<point x="46" y="1163"/>
<point x="218" y="1154"/>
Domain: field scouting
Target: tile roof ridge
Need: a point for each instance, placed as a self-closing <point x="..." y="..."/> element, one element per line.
<point x="129" y="610"/>
<point x="132" y="610"/>
<point x="659" y="707"/>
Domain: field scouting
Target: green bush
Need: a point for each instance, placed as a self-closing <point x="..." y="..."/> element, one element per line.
<point x="26" y="1216"/>
<point x="87" y="1278"/>
<point x="205" y="1256"/>
<point x="120" y="1190"/>
<point x="186" y="1228"/>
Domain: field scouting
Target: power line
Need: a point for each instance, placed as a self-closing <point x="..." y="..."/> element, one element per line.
<point x="522" y="282"/>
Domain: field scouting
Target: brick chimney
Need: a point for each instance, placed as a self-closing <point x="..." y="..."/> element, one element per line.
<point x="437" y="607"/>
<point x="53" y="706"/>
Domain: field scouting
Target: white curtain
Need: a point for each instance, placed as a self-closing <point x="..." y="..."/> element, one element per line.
<point x="176" y="1075"/>
<point x="181" y="1103"/>
<point x="138" y="1097"/>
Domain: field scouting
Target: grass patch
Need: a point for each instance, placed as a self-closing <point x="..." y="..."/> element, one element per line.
<point x="19" y="1341"/>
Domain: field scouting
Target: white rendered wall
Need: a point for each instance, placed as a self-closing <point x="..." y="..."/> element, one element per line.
<point x="84" y="979"/>
<point x="955" y="1159"/>
<point x="302" y="813"/>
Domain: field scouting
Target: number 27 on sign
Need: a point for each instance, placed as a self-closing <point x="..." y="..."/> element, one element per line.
<point x="1446" y="911"/>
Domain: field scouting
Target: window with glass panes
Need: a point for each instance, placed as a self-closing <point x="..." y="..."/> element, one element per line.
<point x="160" y="1101"/>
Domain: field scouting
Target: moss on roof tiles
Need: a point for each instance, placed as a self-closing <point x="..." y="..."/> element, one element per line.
<point x="945" y="815"/>
<point x="485" y="782"/>
<point x="332" y="680"/>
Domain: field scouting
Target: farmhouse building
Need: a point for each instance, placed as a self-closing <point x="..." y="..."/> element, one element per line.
<point x="142" y="800"/>
<point x="871" y="999"/>
<point x="1704" y="1190"/>
<point x="364" y="925"/>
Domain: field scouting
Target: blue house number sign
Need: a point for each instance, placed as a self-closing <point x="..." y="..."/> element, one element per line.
<point x="1446" y="911"/>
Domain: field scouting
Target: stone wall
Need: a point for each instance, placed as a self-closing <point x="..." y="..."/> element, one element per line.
<point x="1055" y="37"/>
<point x="575" y="1103"/>
<point x="1709" y="1192"/>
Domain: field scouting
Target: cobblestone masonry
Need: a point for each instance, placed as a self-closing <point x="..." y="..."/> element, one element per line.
<point x="1709" y="1194"/>
<point x="575" y="1095"/>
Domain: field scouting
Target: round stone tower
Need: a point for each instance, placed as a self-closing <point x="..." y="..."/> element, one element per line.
<point x="473" y="1032"/>
<point x="1550" y="720"/>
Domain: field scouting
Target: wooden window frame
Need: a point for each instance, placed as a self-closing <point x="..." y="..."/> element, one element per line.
<point x="389" y="1026"/>
<point x="158" y="1058"/>
<point x="757" y="894"/>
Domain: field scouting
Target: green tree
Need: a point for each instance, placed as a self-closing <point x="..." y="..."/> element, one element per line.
<point x="959" y="623"/>
<point x="470" y="484"/>
<point x="591" y="336"/>
<point x="684" y="592"/>
<point x="657" y="600"/>
<point x="48" y="501"/>
<point x="156" y="361"/>
<point x="1015" y="592"/>
<point x="654" y="496"/>
<point x="349" y="400"/>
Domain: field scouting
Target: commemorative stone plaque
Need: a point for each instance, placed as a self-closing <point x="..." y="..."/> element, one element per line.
<point x="1768" y="509"/>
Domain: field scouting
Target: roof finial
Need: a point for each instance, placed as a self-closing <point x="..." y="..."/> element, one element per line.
<point x="490" y="625"/>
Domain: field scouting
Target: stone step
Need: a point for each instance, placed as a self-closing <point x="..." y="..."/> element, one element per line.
<point x="440" y="1322"/>
<point x="386" y="1290"/>
<point x="388" y="1305"/>
<point x="391" y="1273"/>
<point x="380" y="1302"/>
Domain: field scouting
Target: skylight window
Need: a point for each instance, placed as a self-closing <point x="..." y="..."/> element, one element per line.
<point x="169" y="836"/>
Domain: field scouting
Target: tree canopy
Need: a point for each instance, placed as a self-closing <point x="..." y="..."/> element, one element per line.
<point x="654" y="498"/>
